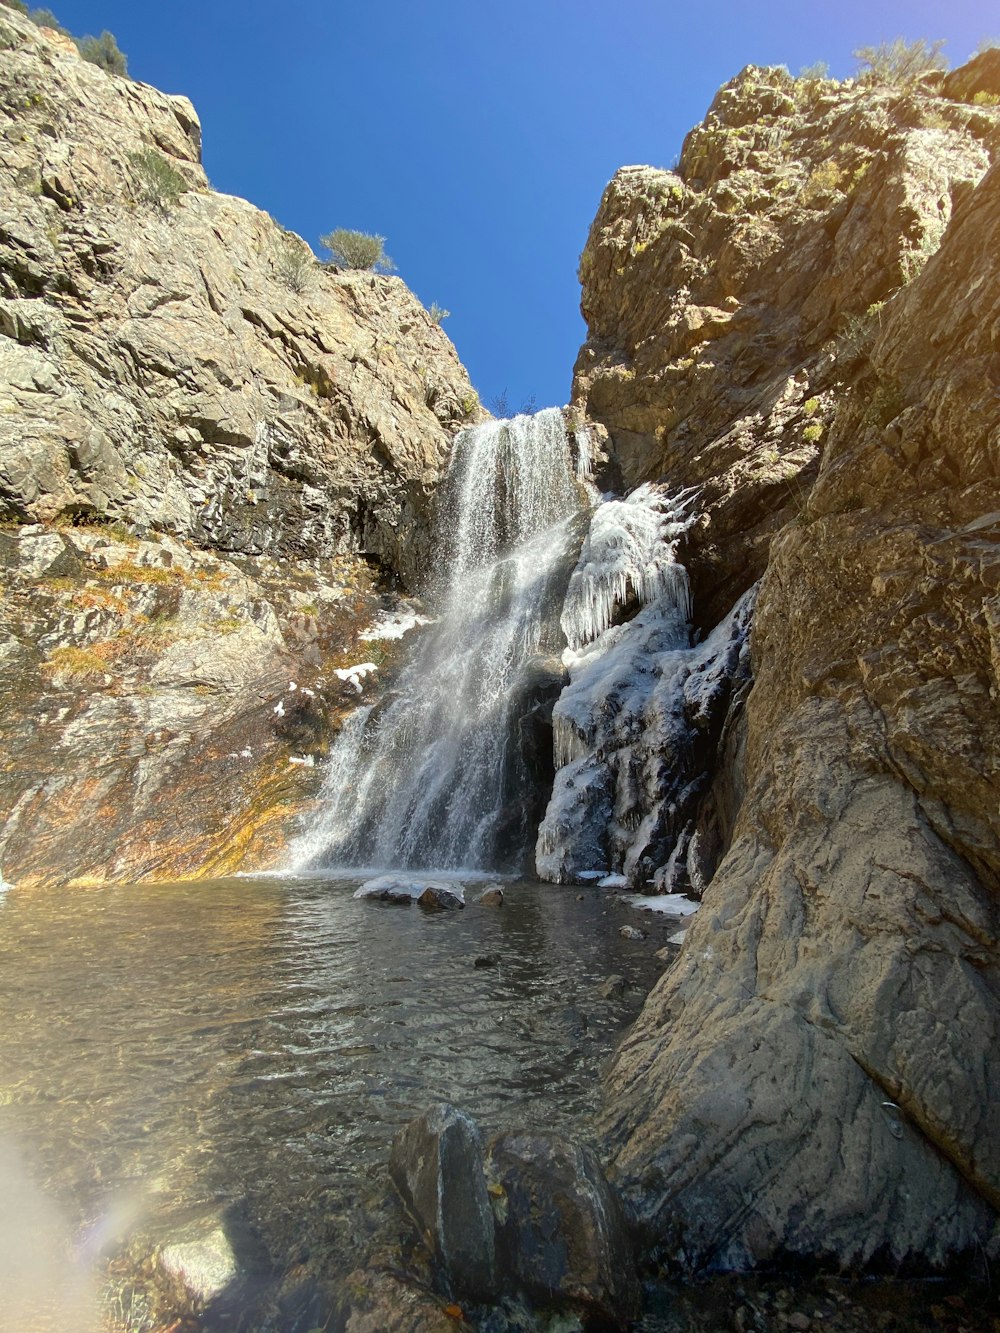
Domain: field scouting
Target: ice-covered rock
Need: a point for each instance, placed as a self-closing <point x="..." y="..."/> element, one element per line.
<point x="634" y="734"/>
<point x="402" y="889"/>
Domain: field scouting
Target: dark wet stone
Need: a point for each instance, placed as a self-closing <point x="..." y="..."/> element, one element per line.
<point x="561" y="1233"/>
<point x="436" y="1164"/>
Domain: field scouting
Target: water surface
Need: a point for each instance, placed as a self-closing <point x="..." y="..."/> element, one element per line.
<point x="260" y="1040"/>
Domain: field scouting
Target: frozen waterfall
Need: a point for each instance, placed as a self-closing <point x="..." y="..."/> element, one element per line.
<point x="442" y="776"/>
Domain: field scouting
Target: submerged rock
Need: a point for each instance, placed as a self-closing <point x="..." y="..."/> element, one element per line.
<point x="492" y="896"/>
<point x="379" y="1302"/>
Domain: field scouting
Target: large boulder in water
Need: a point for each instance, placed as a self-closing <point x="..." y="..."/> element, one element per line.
<point x="436" y="1164"/>
<point x="561" y="1235"/>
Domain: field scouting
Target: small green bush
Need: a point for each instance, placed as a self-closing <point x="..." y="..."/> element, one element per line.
<point x="438" y="312"/>
<point x="17" y="5"/>
<point x="103" y="51"/>
<point x="899" y="63"/>
<point x="812" y="432"/>
<point x="984" y="98"/>
<point x="157" y="183"/>
<point x="820" y="70"/>
<point x="357" y="249"/>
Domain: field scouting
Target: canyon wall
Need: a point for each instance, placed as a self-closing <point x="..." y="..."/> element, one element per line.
<point x="206" y="437"/>
<point x="803" y="322"/>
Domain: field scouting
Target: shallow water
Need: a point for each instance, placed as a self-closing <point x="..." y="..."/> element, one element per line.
<point x="182" y="1046"/>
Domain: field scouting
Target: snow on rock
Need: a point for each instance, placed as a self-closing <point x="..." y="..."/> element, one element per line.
<point x="402" y="889"/>
<point x="394" y="624"/>
<point x="355" y="675"/>
<point x="613" y="882"/>
<point x="670" y="904"/>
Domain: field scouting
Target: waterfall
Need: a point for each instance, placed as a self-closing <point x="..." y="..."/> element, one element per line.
<point x="445" y="774"/>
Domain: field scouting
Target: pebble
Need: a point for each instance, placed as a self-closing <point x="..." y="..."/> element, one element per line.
<point x="631" y="933"/>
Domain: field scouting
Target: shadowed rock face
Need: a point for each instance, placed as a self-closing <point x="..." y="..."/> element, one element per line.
<point x="817" y="1075"/>
<point x="188" y="365"/>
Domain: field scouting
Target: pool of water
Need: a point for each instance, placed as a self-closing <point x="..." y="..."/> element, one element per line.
<point x="259" y="1041"/>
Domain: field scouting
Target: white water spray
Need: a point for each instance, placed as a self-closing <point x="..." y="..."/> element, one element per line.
<point x="439" y="777"/>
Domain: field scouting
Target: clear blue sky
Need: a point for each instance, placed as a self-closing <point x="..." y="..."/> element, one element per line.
<point x="477" y="137"/>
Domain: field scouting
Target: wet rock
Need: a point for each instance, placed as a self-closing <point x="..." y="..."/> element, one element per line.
<point x="398" y="889"/>
<point x="376" y="1302"/>
<point x="485" y="960"/>
<point x="436" y="1164"/>
<point x="614" y="987"/>
<point x="631" y="933"/>
<point x="437" y="897"/>
<point x="492" y="896"/>
<point x="561" y="1233"/>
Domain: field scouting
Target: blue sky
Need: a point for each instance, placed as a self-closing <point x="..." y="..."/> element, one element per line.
<point x="477" y="138"/>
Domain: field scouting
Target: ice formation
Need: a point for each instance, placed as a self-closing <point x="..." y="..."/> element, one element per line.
<point x="633" y="730"/>
<point x="629" y="553"/>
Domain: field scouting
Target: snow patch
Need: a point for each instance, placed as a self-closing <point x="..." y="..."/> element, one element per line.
<point x="670" y="904"/>
<point x="355" y="675"/>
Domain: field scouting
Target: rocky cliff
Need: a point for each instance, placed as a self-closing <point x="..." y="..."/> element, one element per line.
<point x="803" y="322"/>
<point x="202" y="431"/>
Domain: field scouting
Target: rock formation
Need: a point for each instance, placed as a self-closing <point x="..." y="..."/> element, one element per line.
<point x="200" y="426"/>
<point x="816" y="294"/>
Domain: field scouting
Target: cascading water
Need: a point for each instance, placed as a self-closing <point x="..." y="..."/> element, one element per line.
<point x="439" y="778"/>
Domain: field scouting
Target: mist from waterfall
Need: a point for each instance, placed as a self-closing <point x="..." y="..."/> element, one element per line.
<point x="439" y="776"/>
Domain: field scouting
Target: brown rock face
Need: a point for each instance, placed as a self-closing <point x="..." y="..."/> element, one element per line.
<point x="172" y="357"/>
<point x="200" y="430"/>
<point x="720" y="300"/>
<point x="817" y="1075"/>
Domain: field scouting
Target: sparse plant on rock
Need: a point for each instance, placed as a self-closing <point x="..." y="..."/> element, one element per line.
<point x="104" y="52"/>
<point x="438" y="312"/>
<point x="357" y="249"/>
<point x="17" y="5"/>
<point x="899" y="63"/>
<point x="821" y="183"/>
<point x="819" y="70"/>
<point x="157" y="183"/>
<point x="46" y="19"/>
<point x="987" y="44"/>
<point x="294" y="265"/>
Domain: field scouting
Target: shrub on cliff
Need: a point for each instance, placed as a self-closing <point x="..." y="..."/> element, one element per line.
<point x="294" y="264"/>
<point x="46" y="19"/>
<point x="103" y="51"/>
<point x="357" y="249"/>
<point x="17" y="5"/>
<point x="157" y="183"/>
<point x="900" y="62"/>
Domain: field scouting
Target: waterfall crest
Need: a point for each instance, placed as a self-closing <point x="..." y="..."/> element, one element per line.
<point x="438" y="778"/>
